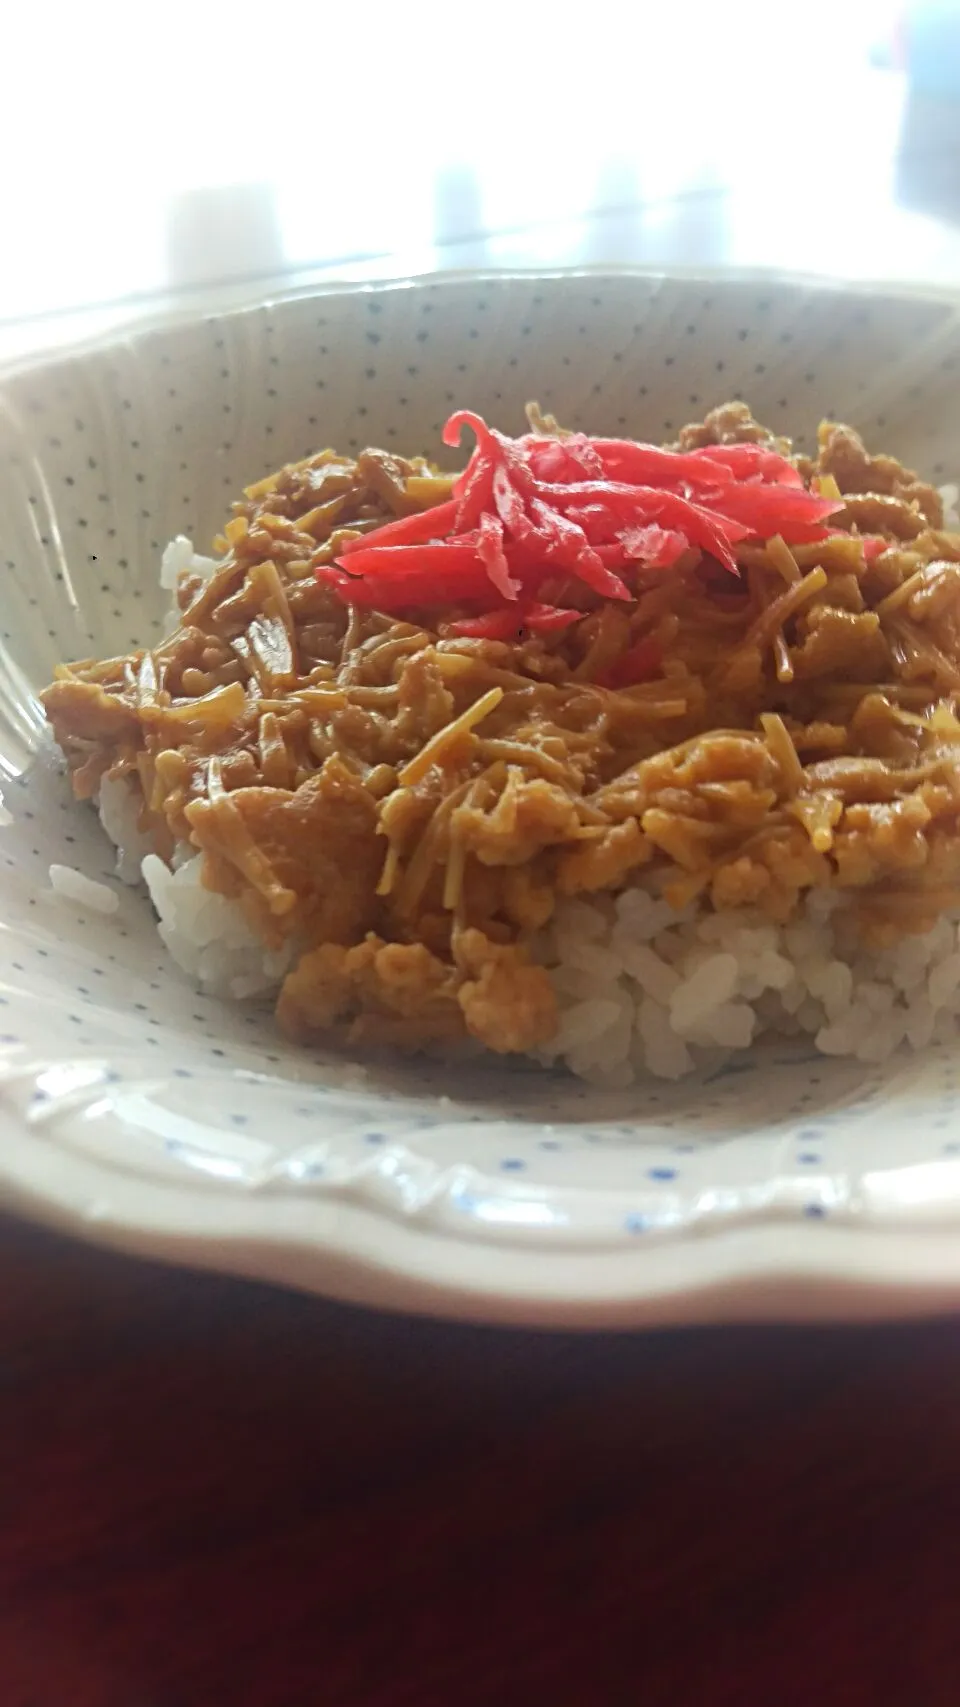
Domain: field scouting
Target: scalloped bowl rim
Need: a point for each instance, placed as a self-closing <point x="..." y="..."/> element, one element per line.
<point x="201" y="303"/>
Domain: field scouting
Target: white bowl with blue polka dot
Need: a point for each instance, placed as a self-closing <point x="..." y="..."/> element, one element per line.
<point x="137" y="1113"/>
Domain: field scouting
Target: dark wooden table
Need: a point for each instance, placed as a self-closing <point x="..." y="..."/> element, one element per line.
<point x="213" y="1493"/>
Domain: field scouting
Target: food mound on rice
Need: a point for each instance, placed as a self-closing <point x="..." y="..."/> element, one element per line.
<point x="406" y="721"/>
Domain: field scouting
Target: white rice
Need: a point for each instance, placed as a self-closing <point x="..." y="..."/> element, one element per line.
<point x="179" y="558"/>
<point x="641" y="989"/>
<point x="78" y="890"/>
<point x="208" y="935"/>
<point x="119" y="805"/>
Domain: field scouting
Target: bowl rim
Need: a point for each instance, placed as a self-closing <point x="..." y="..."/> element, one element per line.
<point x="201" y="303"/>
<point x="762" y="1273"/>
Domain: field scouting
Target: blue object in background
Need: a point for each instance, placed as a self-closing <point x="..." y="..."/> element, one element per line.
<point x="928" y="46"/>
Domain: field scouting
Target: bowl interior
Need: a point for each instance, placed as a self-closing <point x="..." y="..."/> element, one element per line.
<point x="106" y="454"/>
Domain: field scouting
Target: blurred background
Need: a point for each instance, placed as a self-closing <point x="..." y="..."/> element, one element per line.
<point x="162" y="158"/>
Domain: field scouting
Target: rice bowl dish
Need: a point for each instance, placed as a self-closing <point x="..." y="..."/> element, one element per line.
<point x="616" y="756"/>
<point x="143" y="1106"/>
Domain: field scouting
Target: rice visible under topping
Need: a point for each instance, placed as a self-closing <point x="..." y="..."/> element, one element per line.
<point x="119" y="802"/>
<point x="643" y="990"/>
<point x="179" y="558"/>
<point x="208" y="936"/>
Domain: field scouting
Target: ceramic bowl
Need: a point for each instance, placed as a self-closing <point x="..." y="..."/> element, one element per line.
<point x="136" y="1112"/>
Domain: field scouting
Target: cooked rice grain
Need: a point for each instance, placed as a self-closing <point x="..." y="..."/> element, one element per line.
<point x="643" y="993"/>
<point x="78" y="890"/>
